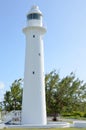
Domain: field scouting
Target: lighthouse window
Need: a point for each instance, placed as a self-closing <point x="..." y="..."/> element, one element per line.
<point x="33" y="36"/>
<point x="33" y="72"/>
<point x="33" y="16"/>
<point x="39" y="54"/>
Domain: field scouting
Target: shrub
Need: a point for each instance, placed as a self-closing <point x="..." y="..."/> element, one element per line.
<point x="77" y="114"/>
<point x="74" y="114"/>
<point x="84" y="115"/>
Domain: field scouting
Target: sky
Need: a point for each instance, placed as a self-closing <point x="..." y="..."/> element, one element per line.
<point x="64" y="42"/>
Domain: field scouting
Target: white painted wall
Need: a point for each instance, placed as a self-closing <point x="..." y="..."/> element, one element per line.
<point x="34" y="104"/>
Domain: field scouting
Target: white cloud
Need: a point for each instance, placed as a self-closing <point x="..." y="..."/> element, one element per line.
<point x="2" y="89"/>
<point x="1" y="85"/>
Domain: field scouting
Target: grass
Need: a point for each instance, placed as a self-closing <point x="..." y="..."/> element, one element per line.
<point x="46" y="129"/>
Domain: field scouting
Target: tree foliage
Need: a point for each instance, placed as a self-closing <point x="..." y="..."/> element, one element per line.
<point x="64" y="94"/>
<point x="13" y="98"/>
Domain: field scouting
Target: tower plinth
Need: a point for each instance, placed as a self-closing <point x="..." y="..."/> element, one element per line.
<point x="34" y="104"/>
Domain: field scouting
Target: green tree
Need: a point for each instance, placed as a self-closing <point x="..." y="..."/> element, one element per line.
<point x="51" y="83"/>
<point x="64" y="94"/>
<point x="7" y="101"/>
<point x="1" y="105"/>
<point x="13" y="98"/>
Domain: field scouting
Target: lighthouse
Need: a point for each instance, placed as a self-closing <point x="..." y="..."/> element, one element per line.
<point x="34" y="103"/>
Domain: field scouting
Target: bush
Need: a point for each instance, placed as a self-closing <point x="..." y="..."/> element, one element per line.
<point x="74" y="114"/>
<point x="66" y="114"/>
<point x="84" y="115"/>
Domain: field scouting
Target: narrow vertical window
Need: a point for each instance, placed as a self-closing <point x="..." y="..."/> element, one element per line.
<point x="33" y="72"/>
<point x="39" y="54"/>
<point x="33" y="36"/>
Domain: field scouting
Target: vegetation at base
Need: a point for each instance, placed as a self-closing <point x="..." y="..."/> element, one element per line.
<point x="64" y="97"/>
<point x="75" y="115"/>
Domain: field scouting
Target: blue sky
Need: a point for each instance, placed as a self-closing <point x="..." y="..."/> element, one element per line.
<point x="64" y="42"/>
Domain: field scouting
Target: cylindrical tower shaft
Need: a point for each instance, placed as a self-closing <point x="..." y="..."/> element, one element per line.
<point x="34" y="104"/>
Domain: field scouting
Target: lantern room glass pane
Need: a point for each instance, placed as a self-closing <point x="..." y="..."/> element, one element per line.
<point x="34" y="16"/>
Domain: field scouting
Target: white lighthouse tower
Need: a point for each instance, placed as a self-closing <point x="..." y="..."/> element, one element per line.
<point x="34" y="104"/>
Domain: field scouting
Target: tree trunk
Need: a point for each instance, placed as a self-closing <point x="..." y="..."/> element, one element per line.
<point x="55" y="117"/>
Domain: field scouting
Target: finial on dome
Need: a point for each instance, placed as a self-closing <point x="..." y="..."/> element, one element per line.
<point x="35" y="9"/>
